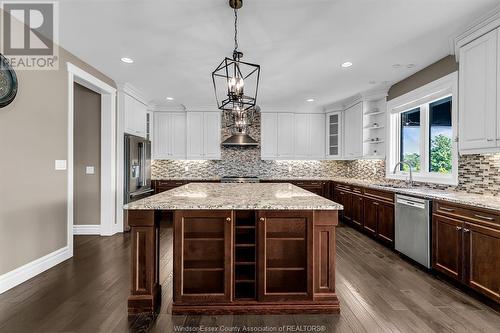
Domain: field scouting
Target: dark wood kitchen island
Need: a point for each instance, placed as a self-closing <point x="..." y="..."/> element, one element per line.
<point x="238" y="249"/>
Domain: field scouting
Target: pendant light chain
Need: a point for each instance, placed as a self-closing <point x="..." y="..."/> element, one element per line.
<point x="235" y="29"/>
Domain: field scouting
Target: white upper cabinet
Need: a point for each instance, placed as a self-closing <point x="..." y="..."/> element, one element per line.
<point x="135" y="116"/>
<point x="285" y="135"/>
<point x="353" y="131"/>
<point x="269" y="135"/>
<point x="203" y="135"/>
<point x="479" y="122"/>
<point x="292" y="136"/>
<point x="309" y="136"/>
<point x="302" y="136"/>
<point x="169" y="135"/>
<point x="334" y="135"/>
<point x="212" y="135"/>
<point x="316" y="136"/>
<point x="195" y="135"/>
<point x="178" y="131"/>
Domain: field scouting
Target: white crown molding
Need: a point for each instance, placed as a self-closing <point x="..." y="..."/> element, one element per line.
<point x="479" y="27"/>
<point x="367" y="95"/>
<point x="21" y="274"/>
<point x="87" y="229"/>
<point x="169" y="108"/>
<point x="129" y="89"/>
<point x="202" y="108"/>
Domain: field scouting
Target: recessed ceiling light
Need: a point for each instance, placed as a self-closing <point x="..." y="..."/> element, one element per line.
<point x="346" y="64"/>
<point x="396" y="66"/>
<point x="169" y="98"/>
<point x="310" y="100"/>
<point x="127" y="60"/>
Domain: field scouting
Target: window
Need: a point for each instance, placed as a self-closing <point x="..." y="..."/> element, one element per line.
<point x="441" y="136"/>
<point x="410" y="139"/>
<point x="422" y="129"/>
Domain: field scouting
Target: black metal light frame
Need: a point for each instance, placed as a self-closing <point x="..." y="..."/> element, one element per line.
<point x="236" y="69"/>
<point x="229" y="68"/>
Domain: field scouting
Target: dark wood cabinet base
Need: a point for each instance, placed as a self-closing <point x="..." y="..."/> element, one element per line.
<point x="145" y="303"/>
<point x="237" y="262"/>
<point x="257" y="308"/>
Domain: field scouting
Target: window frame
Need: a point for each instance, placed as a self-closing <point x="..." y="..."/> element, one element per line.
<point x="422" y="97"/>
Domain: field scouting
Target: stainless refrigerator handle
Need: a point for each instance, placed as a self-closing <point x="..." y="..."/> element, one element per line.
<point x="141" y="163"/>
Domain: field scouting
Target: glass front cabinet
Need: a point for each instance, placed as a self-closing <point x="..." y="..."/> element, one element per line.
<point x="334" y="128"/>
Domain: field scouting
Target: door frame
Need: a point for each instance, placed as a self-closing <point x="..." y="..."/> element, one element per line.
<point x="108" y="225"/>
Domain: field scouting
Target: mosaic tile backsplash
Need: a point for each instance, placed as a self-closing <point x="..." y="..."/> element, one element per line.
<point x="479" y="174"/>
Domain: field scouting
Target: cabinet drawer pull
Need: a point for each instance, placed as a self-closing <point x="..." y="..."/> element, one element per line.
<point x="447" y="209"/>
<point x="459" y="228"/>
<point x="487" y="218"/>
<point x="466" y="230"/>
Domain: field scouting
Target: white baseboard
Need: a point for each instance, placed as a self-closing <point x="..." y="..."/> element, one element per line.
<point x="87" y="229"/>
<point x="21" y="274"/>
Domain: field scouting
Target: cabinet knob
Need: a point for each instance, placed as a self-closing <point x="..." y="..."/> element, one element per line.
<point x="459" y="228"/>
<point x="228" y="219"/>
<point x="466" y="230"/>
<point x="261" y="219"/>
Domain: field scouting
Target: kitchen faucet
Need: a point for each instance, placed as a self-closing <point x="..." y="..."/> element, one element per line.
<point x="410" y="180"/>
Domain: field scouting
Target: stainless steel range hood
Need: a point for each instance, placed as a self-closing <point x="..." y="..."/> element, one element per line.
<point x="240" y="139"/>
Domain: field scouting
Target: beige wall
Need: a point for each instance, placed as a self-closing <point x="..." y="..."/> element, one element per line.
<point x="431" y="73"/>
<point x="87" y="152"/>
<point x="33" y="133"/>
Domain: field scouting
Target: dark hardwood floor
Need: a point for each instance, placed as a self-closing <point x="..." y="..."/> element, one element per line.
<point x="378" y="291"/>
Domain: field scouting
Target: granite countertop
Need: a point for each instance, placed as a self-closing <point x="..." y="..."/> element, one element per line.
<point x="463" y="198"/>
<point x="256" y="196"/>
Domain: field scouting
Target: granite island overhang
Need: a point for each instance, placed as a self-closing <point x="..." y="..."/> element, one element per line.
<point x="238" y="249"/>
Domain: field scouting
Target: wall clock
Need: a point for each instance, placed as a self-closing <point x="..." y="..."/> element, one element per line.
<point x="8" y="82"/>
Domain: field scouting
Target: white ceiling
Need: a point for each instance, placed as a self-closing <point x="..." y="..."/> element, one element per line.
<point x="299" y="44"/>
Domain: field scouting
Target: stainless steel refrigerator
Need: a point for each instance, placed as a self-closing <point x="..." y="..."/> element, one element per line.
<point x="137" y="168"/>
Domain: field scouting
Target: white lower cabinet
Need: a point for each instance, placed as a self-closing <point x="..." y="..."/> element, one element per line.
<point x="203" y="135"/>
<point x="169" y="135"/>
<point x="479" y="119"/>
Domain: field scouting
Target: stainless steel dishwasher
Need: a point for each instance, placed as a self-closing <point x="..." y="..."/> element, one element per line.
<point x="413" y="230"/>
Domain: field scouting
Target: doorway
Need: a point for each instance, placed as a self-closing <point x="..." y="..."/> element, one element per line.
<point x="102" y="93"/>
<point x="87" y="161"/>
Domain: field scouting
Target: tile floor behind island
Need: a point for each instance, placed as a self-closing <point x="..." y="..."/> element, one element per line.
<point x="378" y="291"/>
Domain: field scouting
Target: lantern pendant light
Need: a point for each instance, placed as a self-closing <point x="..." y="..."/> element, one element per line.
<point x="236" y="82"/>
